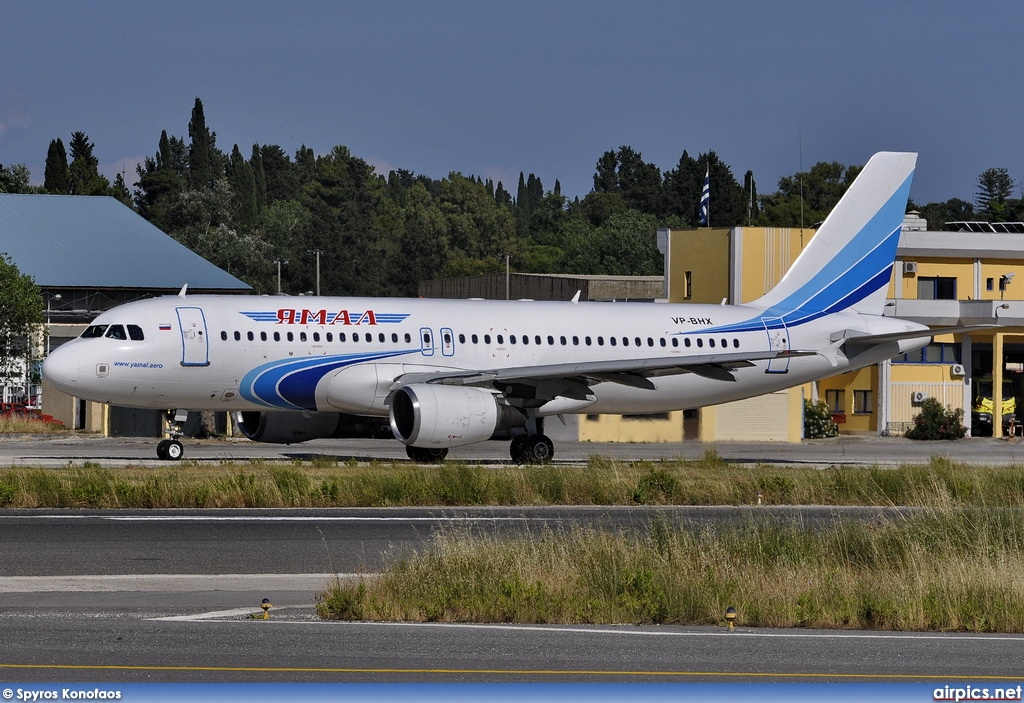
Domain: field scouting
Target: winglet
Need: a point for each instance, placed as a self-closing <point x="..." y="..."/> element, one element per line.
<point x="181" y="293"/>
<point x="576" y="298"/>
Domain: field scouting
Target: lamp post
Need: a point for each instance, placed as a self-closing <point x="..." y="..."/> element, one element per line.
<point x="279" y="262"/>
<point x="507" y="257"/>
<point x="48" y="301"/>
<point x="318" y="252"/>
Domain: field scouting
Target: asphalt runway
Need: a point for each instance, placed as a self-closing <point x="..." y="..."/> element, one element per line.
<point x="24" y="450"/>
<point x="170" y="595"/>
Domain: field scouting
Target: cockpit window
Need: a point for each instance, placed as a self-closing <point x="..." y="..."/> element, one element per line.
<point x="116" y="332"/>
<point x="135" y="332"/>
<point x="94" y="331"/>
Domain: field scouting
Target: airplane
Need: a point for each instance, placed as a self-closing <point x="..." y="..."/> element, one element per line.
<point x="447" y="373"/>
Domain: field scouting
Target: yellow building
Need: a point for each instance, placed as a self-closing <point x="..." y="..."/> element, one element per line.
<point x="940" y="279"/>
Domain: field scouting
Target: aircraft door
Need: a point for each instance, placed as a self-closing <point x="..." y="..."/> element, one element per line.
<point x="426" y="341"/>
<point x="447" y="341"/>
<point x="195" y="347"/>
<point x="778" y="340"/>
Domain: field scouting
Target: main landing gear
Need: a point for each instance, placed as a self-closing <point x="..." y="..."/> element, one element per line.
<point x="531" y="449"/>
<point x="172" y="449"/>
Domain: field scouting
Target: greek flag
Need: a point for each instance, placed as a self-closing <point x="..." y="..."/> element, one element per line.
<point x="705" y="198"/>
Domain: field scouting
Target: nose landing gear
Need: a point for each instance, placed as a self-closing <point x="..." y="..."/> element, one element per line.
<point x="172" y="449"/>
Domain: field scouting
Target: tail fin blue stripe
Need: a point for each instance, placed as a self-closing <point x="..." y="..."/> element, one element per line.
<point x="858" y="270"/>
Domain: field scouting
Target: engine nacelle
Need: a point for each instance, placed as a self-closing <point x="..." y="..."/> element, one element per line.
<point x="294" y="427"/>
<point x="433" y="416"/>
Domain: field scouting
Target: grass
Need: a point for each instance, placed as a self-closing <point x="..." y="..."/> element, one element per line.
<point x="949" y="569"/>
<point x="325" y="483"/>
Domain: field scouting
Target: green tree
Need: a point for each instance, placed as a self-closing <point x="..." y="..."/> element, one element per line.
<point x="84" y="176"/>
<point x="15" y="179"/>
<point x="243" y="182"/>
<point x="161" y="180"/>
<point x="204" y="161"/>
<point x="56" y="177"/>
<point x="21" y="313"/>
<point x="995" y="186"/>
<point x="806" y="198"/>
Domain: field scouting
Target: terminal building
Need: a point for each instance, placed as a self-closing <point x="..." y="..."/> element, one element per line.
<point x="941" y="278"/>
<point x="88" y="254"/>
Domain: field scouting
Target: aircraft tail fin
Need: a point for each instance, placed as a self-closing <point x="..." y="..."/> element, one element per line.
<point x="848" y="263"/>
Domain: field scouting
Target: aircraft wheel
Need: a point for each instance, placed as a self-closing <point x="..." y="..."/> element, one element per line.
<point x="161" y="449"/>
<point x="426" y="455"/>
<point x="174" y="450"/>
<point x="536" y="449"/>
<point x="516" y="451"/>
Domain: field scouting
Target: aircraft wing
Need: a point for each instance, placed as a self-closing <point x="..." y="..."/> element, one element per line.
<point x="630" y="372"/>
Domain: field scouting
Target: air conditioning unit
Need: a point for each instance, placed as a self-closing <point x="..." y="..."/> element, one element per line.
<point x="957" y="369"/>
<point x="909" y="267"/>
<point x="918" y="397"/>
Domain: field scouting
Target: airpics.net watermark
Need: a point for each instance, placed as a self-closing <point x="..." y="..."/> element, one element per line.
<point x="977" y="693"/>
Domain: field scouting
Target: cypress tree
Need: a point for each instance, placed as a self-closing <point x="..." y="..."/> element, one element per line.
<point x="56" y="177"/>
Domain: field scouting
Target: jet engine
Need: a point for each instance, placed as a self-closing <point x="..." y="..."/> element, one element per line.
<point x="294" y="427"/>
<point x="430" y="415"/>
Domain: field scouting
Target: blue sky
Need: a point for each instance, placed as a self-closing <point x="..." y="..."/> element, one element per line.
<point x="495" y="88"/>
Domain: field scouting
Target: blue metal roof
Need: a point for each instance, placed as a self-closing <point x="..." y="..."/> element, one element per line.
<point x="78" y="241"/>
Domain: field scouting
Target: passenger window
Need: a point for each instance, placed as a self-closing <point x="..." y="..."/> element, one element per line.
<point x="600" y="341"/>
<point x="238" y="336"/>
<point x="316" y="336"/>
<point x="94" y="331"/>
<point x="650" y="342"/>
<point x="263" y="336"/>
<point x="575" y="341"/>
<point x="700" y="342"/>
<point x="675" y="342"/>
<point x="248" y="335"/>
<point x="561" y="340"/>
<point x="474" y="339"/>
<point x="487" y="339"/>
<point x="277" y="336"/>
<point x="291" y="337"/>
<point x="224" y="335"/>
<point x="394" y="337"/>
<point x="736" y="343"/>
<point x="341" y="337"/>
<point x="302" y="336"/>
<point x="330" y="336"/>
<point x="711" y="342"/>
<point x="685" y="341"/>
<point x="135" y="333"/>
<point x="381" y="338"/>
<point x="611" y="340"/>
<point x="501" y="339"/>
<point x="408" y="338"/>
<point x="536" y="339"/>
<point x="116" y="332"/>
<point x="586" y="340"/>
<point x="725" y="343"/>
<point x="526" y="339"/>
<point x="662" y="340"/>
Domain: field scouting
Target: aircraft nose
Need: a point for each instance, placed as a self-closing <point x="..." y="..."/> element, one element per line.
<point x="61" y="368"/>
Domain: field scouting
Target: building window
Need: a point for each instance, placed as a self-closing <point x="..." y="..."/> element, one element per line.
<point x="990" y="284"/>
<point x="936" y="288"/>
<point x="687" y="284"/>
<point x="939" y="353"/>
<point x="834" y="399"/>
<point x="863" y="402"/>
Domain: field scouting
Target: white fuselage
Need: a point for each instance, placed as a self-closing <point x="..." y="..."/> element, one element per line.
<point x="344" y="354"/>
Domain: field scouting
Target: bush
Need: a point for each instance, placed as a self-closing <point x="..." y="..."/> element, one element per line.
<point x="818" y="421"/>
<point x="936" y="421"/>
